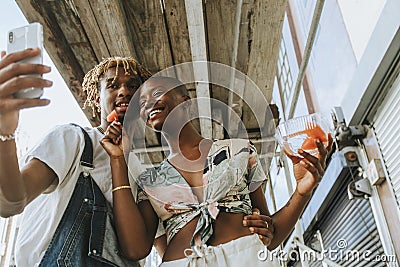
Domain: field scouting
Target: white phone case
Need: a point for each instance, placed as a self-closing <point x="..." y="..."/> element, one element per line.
<point x="30" y="36"/>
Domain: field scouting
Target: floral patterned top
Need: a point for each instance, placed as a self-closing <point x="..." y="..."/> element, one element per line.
<point x="231" y="172"/>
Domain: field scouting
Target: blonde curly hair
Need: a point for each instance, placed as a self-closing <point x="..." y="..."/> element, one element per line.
<point x="90" y="84"/>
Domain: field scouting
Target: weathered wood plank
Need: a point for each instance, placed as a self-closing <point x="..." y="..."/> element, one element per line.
<point x="148" y="32"/>
<point x="241" y="56"/>
<point x="79" y="33"/>
<point x="220" y="21"/>
<point x="178" y="32"/>
<point x="266" y="27"/>
<point x="196" y="27"/>
<point x="245" y="33"/>
<point x="194" y="110"/>
<point x="58" y="49"/>
<point x="177" y="28"/>
<point x="93" y="31"/>
<point x="229" y="35"/>
<point x="112" y="20"/>
<point x="74" y="33"/>
<point x="218" y="125"/>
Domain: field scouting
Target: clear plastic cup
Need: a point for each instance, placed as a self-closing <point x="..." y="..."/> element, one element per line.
<point x="301" y="133"/>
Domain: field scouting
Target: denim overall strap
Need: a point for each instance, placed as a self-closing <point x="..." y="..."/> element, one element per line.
<point x="98" y="226"/>
<point x="99" y="207"/>
<point x="79" y="238"/>
<point x="99" y="202"/>
<point x="87" y="154"/>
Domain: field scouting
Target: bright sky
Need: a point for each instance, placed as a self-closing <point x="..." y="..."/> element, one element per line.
<point x="35" y="122"/>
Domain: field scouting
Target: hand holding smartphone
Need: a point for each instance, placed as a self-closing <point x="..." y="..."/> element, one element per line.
<point x="29" y="36"/>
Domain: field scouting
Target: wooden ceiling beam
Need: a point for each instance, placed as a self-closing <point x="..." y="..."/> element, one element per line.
<point x="265" y="37"/>
<point x="178" y="35"/>
<point x="110" y="17"/>
<point x="195" y="19"/>
<point x="220" y="21"/>
<point x="266" y="33"/>
<point x="87" y="16"/>
<point x="74" y="33"/>
<point x="235" y="97"/>
<point x="148" y="33"/>
<point x="177" y="30"/>
<point x="79" y="33"/>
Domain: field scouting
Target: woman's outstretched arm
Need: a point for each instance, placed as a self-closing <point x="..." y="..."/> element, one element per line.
<point x="308" y="172"/>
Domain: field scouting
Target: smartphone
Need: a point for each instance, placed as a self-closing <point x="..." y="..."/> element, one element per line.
<point x="29" y="36"/>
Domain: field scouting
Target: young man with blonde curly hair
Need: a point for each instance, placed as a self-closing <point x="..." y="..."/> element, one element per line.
<point x="63" y="188"/>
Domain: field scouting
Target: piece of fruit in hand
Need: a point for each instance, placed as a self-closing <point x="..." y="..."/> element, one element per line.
<point x="312" y="134"/>
<point x="112" y="116"/>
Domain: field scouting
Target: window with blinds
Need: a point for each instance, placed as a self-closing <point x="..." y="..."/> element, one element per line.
<point x="386" y="124"/>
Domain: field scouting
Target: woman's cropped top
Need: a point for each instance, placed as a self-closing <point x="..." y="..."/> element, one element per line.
<point x="231" y="172"/>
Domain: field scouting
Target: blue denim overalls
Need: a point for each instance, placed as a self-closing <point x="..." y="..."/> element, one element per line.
<point x="85" y="236"/>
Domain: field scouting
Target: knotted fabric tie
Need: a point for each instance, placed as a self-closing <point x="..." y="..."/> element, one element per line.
<point x="208" y="213"/>
<point x="197" y="252"/>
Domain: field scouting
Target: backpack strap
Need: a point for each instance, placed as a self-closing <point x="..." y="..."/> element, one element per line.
<point x="87" y="154"/>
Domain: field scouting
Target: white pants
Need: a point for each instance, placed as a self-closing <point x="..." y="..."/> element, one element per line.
<point x="245" y="251"/>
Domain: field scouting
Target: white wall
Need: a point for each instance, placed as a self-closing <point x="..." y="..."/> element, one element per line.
<point x="360" y="18"/>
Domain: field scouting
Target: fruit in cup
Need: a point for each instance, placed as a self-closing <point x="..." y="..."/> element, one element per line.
<point x="302" y="132"/>
<point x="313" y="132"/>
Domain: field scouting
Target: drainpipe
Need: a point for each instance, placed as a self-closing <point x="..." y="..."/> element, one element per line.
<point x="309" y="92"/>
<point x="306" y="55"/>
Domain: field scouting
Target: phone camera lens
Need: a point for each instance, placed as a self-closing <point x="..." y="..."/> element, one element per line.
<point x="10" y="37"/>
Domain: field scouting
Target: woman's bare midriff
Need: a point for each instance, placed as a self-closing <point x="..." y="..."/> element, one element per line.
<point x="227" y="227"/>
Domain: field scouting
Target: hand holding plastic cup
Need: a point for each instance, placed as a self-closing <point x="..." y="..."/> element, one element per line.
<point x="302" y="132"/>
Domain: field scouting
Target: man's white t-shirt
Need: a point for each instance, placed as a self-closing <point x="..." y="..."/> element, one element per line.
<point x="61" y="150"/>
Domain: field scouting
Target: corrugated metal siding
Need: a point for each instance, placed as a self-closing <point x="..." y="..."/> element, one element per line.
<point x="387" y="127"/>
<point x="352" y="221"/>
